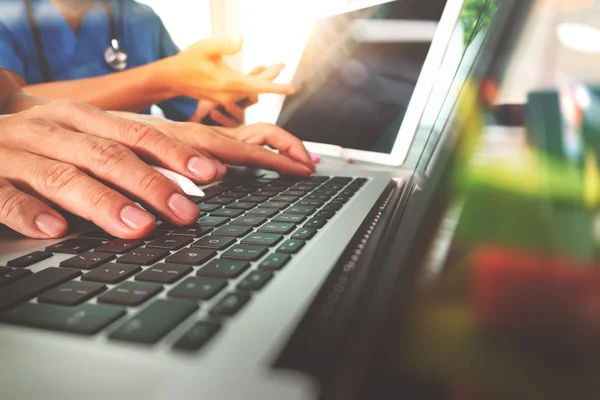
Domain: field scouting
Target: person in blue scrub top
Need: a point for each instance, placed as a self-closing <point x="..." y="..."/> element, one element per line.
<point x="117" y="55"/>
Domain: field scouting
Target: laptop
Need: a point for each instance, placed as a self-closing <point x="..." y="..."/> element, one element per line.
<point x="258" y="300"/>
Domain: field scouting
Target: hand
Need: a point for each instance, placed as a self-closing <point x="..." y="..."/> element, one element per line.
<point x="200" y="72"/>
<point x="62" y="153"/>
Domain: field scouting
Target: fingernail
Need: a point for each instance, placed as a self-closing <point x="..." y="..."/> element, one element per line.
<point x="50" y="225"/>
<point x="308" y="170"/>
<point x="183" y="208"/>
<point x="202" y="168"/>
<point x="135" y="218"/>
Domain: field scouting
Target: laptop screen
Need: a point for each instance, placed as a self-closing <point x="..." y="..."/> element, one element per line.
<point x="358" y="73"/>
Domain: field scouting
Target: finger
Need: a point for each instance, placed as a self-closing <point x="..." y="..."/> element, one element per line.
<point x="257" y="85"/>
<point x="28" y="215"/>
<point x="223" y="119"/>
<point x="142" y="138"/>
<point x="76" y="192"/>
<point x="258" y="70"/>
<point x="114" y="163"/>
<point x="272" y="72"/>
<point x="231" y="111"/>
<point x="204" y="108"/>
<point x="220" y="46"/>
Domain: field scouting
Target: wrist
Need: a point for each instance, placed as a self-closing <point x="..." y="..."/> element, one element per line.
<point x="164" y="78"/>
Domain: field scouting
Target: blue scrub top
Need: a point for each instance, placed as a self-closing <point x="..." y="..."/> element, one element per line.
<point x="141" y="34"/>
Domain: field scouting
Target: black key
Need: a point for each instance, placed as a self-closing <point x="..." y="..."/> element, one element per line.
<point x="304" y="187"/>
<point x="111" y="273"/>
<point x="245" y="252"/>
<point x="170" y="242"/>
<point x="317" y="197"/>
<point x="88" y="260"/>
<point x="29" y="259"/>
<point x="214" y="242"/>
<point x="227" y="212"/>
<point x="316" y="223"/>
<point x="285" y="199"/>
<point x="220" y="200"/>
<point x="292" y="218"/>
<point x="232" y="230"/>
<point x="120" y="246"/>
<point x="198" y="288"/>
<point x="340" y="200"/>
<point x="74" y="246"/>
<point x="194" y="231"/>
<point x="222" y="268"/>
<point x="130" y="294"/>
<point x="98" y="234"/>
<point x="297" y="193"/>
<point x="304" y="233"/>
<point x="267" y="193"/>
<point x="332" y="207"/>
<point x="277" y="227"/>
<point x="291" y="246"/>
<point x="208" y="207"/>
<point x="234" y="195"/>
<point x="254" y="199"/>
<point x="9" y="275"/>
<point x="30" y="286"/>
<point x="197" y="336"/>
<point x="144" y="256"/>
<point x="347" y="193"/>
<point x="277" y="205"/>
<point x="262" y="239"/>
<point x="300" y="210"/>
<point x="191" y="256"/>
<point x="263" y="212"/>
<point x="72" y="293"/>
<point x="155" y="321"/>
<point x="249" y="220"/>
<point x="230" y="304"/>
<point x="242" y="205"/>
<point x="324" y="214"/>
<point x="86" y="319"/>
<point x="255" y="280"/>
<point x="212" y="221"/>
<point x="310" y="203"/>
<point x="164" y="273"/>
<point x="275" y="261"/>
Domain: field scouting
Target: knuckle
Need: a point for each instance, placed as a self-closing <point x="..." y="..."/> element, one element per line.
<point x="152" y="182"/>
<point x="100" y="196"/>
<point x="12" y="203"/>
<point x="59" y="177"/>
<point x="138" y="134"/>
<point x="106" y="154"/>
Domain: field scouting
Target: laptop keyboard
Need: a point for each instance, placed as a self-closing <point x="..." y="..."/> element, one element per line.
<point x="249" y="230"/>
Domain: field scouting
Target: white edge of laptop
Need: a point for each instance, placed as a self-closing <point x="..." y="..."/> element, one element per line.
<point x="443" y="40"/>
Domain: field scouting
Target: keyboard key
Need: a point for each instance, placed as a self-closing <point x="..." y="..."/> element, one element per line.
<point x="230" y="304"/>
<point x="285" y="199"/>
<point x="275" y="261"/>
<point x="317" y="196"/>
<point x="263" y="212"/>
<point x="324" y="214"/>
<point x="277" y="205"/>
<point x="155" y="321"/>
<point x="164" y="273"/>
<point x="86" y="319"/>
<point x="194" y="231"/>
<point x="130" y="294"/>
<point x="120" y="246"/>
<point x="197" y="336"/>
<point x="212" y="221"/>
<point x="277" y="227"/>
<point x="223" y="268"/>
<point x="249" y="220"/>
<point x="262" y="239"/>
<point x="300" y="210"/>
<point x="242" y="205"/>
<point x="32" y="285"/>
<point x="254" y="199"/>
<point x="266" y="193"/>
<point x="204" y="208"/>
<point x="232" y="230"/>
<point x="292" y="218"/>
<point x="234" y="195"/>
<point x="9" y="275"/>
<point x="304" y="233"/>
<point x="227" y="212"/>
<point x="111" y="273"/>
<point x="72" y="293"/>
<point x="245" y="252"/>
<point x="296" y="193"/>
<point x="191" y="256"/>
<point x="255" y="280"/>
<point x="310" y="203"/>
<point x="214" y="242"/>
<point x="144" y="256"/>
<point x="170" y="242"/>
<point x="220" y="200"/>
<point x="304" y="187"/>
<point x="98" y="234"/>
<point x="316" y="223"/>
<point x="198" y="288"/>
<point x="29" y="259"/>
<point x="333" y="207"/>
<point x="88" y="260"/>
<point x="291" y="246"/>
<point x="74" y="246"/>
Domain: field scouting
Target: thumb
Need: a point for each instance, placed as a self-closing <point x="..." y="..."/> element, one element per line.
<point x="222" y="46"/>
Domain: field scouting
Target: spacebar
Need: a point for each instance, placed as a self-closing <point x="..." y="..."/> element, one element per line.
<point x="32" y="285"/>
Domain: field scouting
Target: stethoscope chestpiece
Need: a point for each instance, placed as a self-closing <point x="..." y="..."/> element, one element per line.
<point x="114" y="57"/>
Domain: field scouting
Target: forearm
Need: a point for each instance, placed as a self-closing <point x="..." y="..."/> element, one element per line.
<point x="12" y="99"/>
<point x="132" y="90"/>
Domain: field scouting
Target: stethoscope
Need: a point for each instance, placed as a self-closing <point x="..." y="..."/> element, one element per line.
<point x="114" y="56"/>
